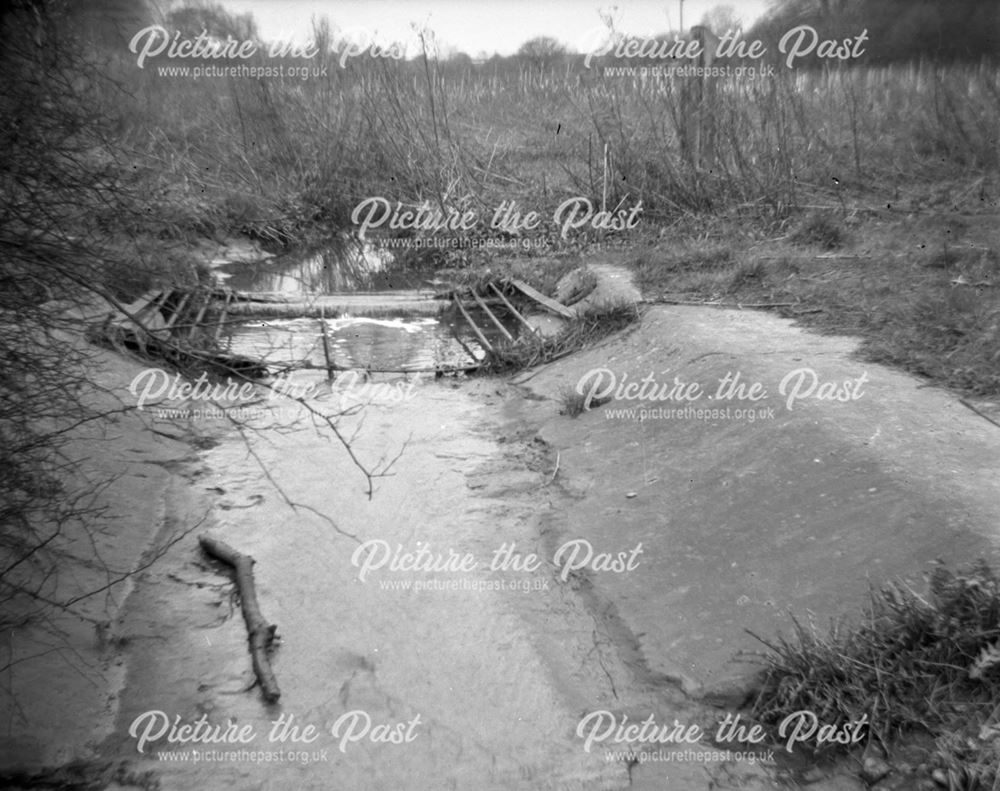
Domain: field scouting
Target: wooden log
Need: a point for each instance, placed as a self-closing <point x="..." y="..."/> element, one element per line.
<point x="438" y="369"/>
<point x="360" y="304"/>
<point x="261" y="633"/>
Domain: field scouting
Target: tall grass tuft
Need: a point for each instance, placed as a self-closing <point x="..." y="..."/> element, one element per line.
<point x="916" y="663"/>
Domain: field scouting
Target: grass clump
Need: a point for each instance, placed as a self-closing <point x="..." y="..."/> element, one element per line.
<point x="749" y="273"/>
<point x="573" y="403"/>
<point x="917" y="664"/>
<point x="819" y="229"/>
<point x="673" y="270"/>
<point x="949" y="335"/>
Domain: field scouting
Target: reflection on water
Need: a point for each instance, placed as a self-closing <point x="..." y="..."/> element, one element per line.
<point x="412" y="344"/>
<point x="343" y="264"/>
<point x="347" y="265"/>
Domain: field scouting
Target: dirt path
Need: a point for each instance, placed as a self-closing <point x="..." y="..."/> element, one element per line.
<point x="62" y="671"/>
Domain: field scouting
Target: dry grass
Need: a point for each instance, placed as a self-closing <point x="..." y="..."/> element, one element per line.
<point x="922" y="292"/>
<point x="278" y="158"/>
<point x="917" y="663"/>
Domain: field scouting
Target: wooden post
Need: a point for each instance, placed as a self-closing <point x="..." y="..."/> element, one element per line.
<point x="222" y="316"/>
<point x="326" y="344"/>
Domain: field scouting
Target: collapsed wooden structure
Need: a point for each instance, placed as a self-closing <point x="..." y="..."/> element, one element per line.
<point x="186" y="325"/>
<point x="180" y="325"/>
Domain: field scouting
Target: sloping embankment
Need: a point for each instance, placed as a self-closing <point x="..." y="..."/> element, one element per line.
<point x="743" y="518"/>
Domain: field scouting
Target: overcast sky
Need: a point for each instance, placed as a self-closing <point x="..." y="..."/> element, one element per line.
<point x="483" y="26"/>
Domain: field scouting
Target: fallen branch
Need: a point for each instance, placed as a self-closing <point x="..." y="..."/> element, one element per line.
<point x="261" y="633"/>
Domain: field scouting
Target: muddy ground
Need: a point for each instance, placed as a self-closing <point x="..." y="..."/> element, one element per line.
<point x="701" y="526"/>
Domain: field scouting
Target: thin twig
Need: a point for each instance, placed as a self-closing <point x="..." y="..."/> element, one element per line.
<point x="981" y="414"/>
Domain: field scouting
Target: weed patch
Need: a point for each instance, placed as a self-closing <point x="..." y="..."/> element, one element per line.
<point x="917" y="663"/>
<point x="819" y="230"/>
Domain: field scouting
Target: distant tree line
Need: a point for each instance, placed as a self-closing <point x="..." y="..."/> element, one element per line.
<point x="898" y="30"/>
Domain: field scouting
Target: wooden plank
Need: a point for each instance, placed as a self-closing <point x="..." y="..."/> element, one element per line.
<point x="222" y="316"/>
<point x="450" y="369"/>
<point x="201" y="314"/>
<point x="178" y="311"/>
<point x="281" y="297"/>
<point x="479" y="332"/>
<point x="360" y="303"/>
<point x="493" y="318"/>
<point x="512" y="309"/>
<point x="541" y="299"/>
<point x="161" y="300"/>
<point x="326" y="346"/>
<point x="463" y="344"/>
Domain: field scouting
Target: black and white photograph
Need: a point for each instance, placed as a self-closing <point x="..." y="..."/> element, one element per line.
<point x="488" y="395"/>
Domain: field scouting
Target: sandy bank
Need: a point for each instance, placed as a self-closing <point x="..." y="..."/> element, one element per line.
<point x="63" y="674"/>
<point x="749" y="509"/>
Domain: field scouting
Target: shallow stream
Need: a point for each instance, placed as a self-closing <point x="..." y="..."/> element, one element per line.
<point x="412" y="677"/>
<point x="373" y="334"/>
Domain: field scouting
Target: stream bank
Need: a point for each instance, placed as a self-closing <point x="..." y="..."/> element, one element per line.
<point x="489" y="667"/>
<point x="701" y="525"/>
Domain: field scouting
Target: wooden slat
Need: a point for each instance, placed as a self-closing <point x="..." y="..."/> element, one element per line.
<point x="541" y="299"/>
<point x="479" y="332"/>
<point x="493" y="318"/>
<point x="201" y="313"/>
<point x="160" y="300"/>
<point x="463" y="344"/>
<point x="326" y="346"/>
<point x="444" y="369"/>
<point x="361" y="303"/>
<point x="222" y="316"/>
<point x="177" y="313"/>
<point x="511" y="308"/>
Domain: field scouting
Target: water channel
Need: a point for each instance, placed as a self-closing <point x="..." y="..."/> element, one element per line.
<point x="415" y="680"/>
<point x="372" y="334"/>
